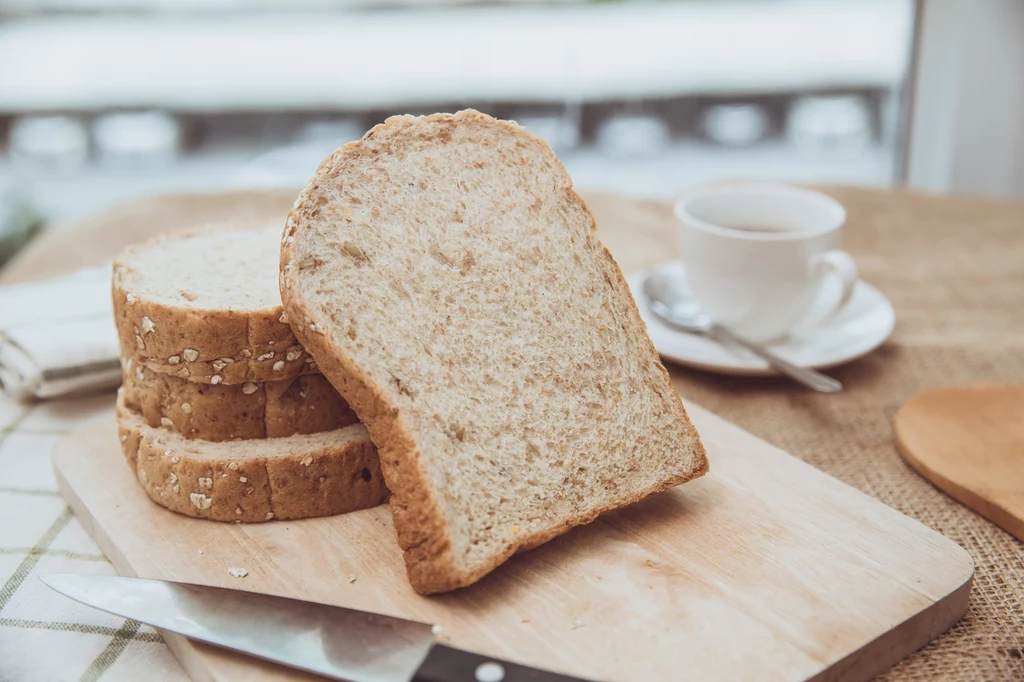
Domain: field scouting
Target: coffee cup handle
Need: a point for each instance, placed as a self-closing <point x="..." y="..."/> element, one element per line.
<point x="840" y="265"/>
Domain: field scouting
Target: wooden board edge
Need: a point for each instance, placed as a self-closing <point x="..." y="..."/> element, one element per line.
<point x="902" y="641"/>
<point x="78" y="507"/>
<point x="906" y="637"/>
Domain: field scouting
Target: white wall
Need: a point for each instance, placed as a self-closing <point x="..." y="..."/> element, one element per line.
<point x="967" y="125"/>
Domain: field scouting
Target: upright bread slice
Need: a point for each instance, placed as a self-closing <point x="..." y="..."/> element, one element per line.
<point x="450" y="284"/>
<point x="297" y="477"/>
<point x="273" y="409"/>
<point x="203" y="304"/>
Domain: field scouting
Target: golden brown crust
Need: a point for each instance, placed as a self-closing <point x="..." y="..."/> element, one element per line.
<point x="208" y="346"/>
<point x="419" y="524"/>
<point x="337" y="478"/>
<point x="275" y="409"/>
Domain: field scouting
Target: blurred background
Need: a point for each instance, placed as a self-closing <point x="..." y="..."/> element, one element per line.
<point x="102" y="101"/>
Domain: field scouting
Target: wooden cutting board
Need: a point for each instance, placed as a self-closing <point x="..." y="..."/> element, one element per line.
<point x="765" y="569"/>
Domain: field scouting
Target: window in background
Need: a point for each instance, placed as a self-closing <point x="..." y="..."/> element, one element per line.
<point x="110" y="99"/>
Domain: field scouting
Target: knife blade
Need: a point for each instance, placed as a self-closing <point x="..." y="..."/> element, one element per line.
<point x="337" y="642"/>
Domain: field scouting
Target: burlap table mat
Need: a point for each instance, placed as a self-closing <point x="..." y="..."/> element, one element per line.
<point x="954" y="270"/>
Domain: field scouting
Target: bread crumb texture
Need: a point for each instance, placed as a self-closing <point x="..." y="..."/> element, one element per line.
<point x="449" y="283"/>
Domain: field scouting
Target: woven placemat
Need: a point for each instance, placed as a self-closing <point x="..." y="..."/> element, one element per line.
<point x="954" y="270"/>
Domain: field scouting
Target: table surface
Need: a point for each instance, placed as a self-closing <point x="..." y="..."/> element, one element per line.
<point x="954" y="269"/>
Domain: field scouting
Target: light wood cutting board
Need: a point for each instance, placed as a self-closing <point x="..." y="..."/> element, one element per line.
<point x="766" y="569"/>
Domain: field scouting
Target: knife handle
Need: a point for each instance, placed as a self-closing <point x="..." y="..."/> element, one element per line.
<point x="444" y="664"/>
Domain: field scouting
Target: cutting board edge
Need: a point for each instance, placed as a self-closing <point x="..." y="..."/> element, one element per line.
<point x="880" y="655"/>
<point x="79" y="509"/>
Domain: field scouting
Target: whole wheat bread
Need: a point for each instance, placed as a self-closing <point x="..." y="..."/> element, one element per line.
<point x="297" y="477"/>
<point x="273" y="409"/>
<point x="450" y="284"/>
<point x="202" y="304"/>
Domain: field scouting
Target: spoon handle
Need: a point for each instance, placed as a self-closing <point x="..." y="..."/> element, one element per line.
<point x="808" y="377"/>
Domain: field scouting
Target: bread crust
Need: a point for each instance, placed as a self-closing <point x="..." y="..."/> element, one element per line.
<point x="419" y="524"/>
<point x="335" y="476"/>
<point x="203" y="345"/>
<point x="274" y="409"/>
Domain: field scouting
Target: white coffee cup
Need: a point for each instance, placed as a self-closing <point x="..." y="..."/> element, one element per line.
<point x="760" y="257"/>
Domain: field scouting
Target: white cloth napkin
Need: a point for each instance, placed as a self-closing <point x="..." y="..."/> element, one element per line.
<point x="58" y="337"/>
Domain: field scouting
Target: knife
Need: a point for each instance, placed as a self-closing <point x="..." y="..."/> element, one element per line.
<point x="339" y="643"/>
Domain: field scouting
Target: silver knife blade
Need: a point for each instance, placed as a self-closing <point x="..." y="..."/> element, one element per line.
<point x="333" y="641"/>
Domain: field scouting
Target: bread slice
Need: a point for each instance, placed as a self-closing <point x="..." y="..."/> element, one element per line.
<point x="297" y="477"/>
<point x="203" y="304"/>
<point x="274" y="409"/>
<point x="450" y="284"/>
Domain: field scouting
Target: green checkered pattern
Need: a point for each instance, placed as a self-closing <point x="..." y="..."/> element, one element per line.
<point x="45" y="637"/>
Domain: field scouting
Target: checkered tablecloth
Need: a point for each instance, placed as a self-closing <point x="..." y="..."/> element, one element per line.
<point x="44" y="636"/>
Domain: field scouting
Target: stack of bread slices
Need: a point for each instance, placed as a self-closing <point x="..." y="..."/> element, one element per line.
<point x="449" y="283"/>
<point x="222" y="414"/>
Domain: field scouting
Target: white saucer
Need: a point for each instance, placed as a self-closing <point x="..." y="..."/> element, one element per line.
<point x="859" y="328"/>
